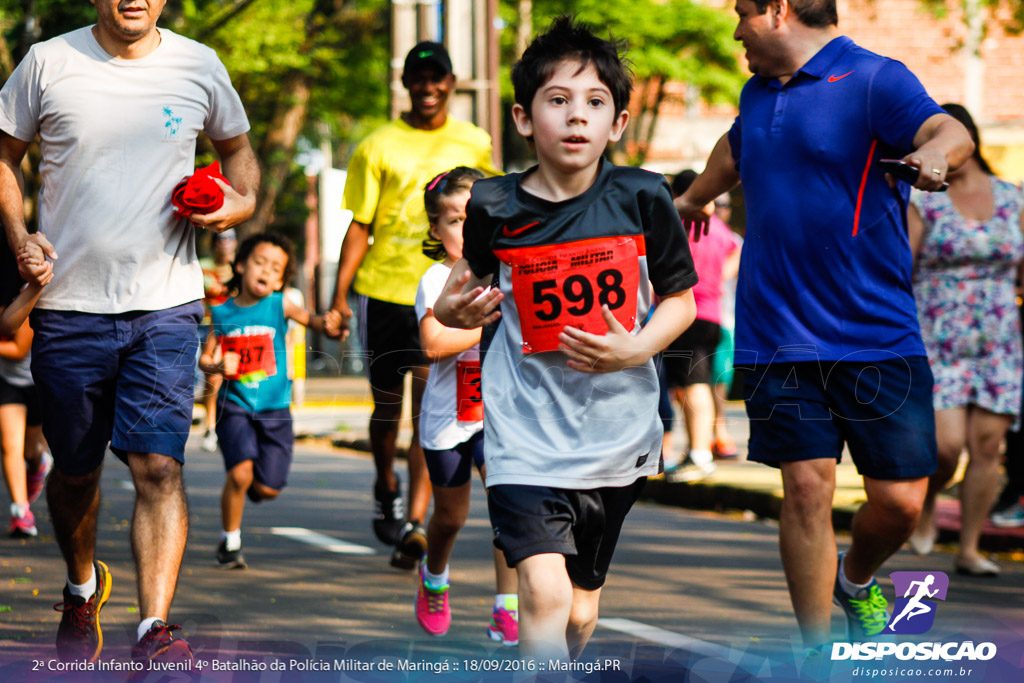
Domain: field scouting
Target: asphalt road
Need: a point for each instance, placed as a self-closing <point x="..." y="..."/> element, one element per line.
<point x="693" y="593"/>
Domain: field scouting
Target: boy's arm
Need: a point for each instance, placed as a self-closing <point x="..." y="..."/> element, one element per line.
<point x="440" y="342"/>
<point x="17" y="348"/>
<point x="618" y="349"/>
<point x="302" y="316"/>
<point x="467" y="301"/>
<point x="16" y="313"/>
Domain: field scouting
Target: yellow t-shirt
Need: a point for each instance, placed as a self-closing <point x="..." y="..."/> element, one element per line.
<point x="384" y="190"/>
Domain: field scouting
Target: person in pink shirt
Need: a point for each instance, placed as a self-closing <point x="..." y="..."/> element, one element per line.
<point x="688" y="360"/>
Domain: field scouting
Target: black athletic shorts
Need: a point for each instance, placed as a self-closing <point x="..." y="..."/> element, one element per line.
<point x="583" y="525"/>
<point x="391" y="337"/>
<point x="689" y="359"/>
<point x="26" y="396"/>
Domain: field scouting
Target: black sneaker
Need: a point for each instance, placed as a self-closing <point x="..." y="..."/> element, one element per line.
<point x="159" y="645"/>
<point x="230" y="559"/>
<point x="389" y="514"/>
<point x="79" y="636"/>
<point x="411" y="548"/>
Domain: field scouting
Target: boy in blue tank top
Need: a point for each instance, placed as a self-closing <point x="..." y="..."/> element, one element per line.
<point x="247" y="346"/>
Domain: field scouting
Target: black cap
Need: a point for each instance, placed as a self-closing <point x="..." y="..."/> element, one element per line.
<point x="427" y="53"/>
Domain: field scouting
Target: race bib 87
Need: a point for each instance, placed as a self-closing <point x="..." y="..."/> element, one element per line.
<point x="565" y="285"/>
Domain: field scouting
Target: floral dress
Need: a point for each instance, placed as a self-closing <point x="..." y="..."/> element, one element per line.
<point x="966" y="302"/>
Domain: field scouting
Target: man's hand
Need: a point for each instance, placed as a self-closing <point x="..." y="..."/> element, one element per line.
<point x="467" y="310"/>
<point x="236" y="209"/>
<point x="32" y="253"/>
<point x="610" y="352"/>
<point x="332" y="324"/>
<point x="696" y="218"/>
<point x="344" y="318"/>
<point x="933" y="169"/>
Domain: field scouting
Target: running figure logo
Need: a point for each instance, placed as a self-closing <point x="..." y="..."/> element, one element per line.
<point x="914" y="613"/>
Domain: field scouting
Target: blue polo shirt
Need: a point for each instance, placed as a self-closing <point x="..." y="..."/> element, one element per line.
<point x="826" y="265"/>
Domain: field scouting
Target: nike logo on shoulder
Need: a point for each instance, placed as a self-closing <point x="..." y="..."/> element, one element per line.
<point x="512" y="233"/>
<point x="833" y="79"/>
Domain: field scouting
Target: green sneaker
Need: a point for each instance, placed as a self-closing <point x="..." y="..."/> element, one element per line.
<point x="866" y="612"/>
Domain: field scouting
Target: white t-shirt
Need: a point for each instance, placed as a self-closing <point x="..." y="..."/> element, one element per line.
<point x="440" y="428"/>
<point x="116" y="137"/>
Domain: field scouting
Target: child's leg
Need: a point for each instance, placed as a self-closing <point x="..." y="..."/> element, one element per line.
<point x="451" y="509"/>
<point x="505" y="580"/>
<point x="12" y="443"/>
<point x="232" y="499"/>
<point x="546" y="599"/>
<point x="35" y="446"/>
<point x="582" y="619"/>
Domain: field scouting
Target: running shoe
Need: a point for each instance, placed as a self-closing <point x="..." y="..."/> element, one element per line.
<point x="866" y="611"/>
<point x="1009" y="518"/>
<point x="504" y="626"/>
<point x="209" y="444"/>
<point x="23" y="527"/>
<point x="160" y="646"/>
<point x="411" y="548"/>
<point x="230" y="559"/>
<point x="724" y="449"/>
<point x="35" y="481"/>
<point x="389" y="514"/>
<point x="432" y="610"/>
<point x="688" y="471"/>
<point x="79" y="637"/>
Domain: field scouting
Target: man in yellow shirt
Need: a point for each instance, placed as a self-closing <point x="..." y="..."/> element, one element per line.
<point x="386" y="177"/>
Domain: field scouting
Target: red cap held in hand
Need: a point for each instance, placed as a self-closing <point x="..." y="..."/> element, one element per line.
<point x="198" y="193"/>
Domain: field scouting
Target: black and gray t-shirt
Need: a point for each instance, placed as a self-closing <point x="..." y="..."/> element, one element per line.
<point x="558" y="263"/>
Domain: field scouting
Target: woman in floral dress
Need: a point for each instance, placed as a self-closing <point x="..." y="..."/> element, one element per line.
<point x="969" y="247"/>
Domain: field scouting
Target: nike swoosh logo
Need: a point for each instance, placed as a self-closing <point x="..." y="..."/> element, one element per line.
<point x="512" y="233"/>
<point x="833" y="79"/>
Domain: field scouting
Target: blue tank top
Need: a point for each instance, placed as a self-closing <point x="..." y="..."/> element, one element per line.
<point x="257" y="334"/>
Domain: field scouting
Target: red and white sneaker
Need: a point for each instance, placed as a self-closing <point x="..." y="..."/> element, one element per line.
<point x="432" y="610"/>
<point x="35" y="481"/>
<point x="505" y="624"/>
<point x="23" y="527"/>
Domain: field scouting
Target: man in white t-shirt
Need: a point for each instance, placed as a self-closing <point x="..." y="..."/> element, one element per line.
<point x="117" y="108"/>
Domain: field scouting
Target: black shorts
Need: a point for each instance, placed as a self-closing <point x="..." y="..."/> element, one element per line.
<point x="391" y="338"/>
<point x="582" y="525"/>
<point x="266" y="438"/>
<point x="451" y="468"/>
<point x="688" y="360"/>
<point x="26" y="396"/>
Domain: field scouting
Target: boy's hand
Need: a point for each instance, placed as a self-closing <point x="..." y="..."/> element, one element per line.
<point x="344" y="313"/>
<point x="332" y="324"/>
<point x="229" y="366"/>
<point x="602" y="353"/>
<point x="32" y="264"/>
<point x="471" y="309"/>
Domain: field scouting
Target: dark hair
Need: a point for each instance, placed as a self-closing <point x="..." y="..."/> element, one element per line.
<point x="249" y="245"/>
<point x="569" y="40"/>
<point x="445" y="184"/>
<point x="961" y="114"/>
<point x="682" y="181"/>
<point x="812" y="13"/>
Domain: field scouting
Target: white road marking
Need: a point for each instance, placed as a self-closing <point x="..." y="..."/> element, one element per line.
<point x="321" y="541"/>
<point x="663" y="637"/>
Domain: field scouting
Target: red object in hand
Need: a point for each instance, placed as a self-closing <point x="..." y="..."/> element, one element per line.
<point x="198" y="193"/>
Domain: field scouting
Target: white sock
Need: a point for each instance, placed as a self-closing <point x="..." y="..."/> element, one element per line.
<point x="86" y="589"/>
<point x="701" y="457"/>
<point x="19" y="510"/>
<point x="509" y="601"/>
<point x="145" y="626"/>
<point x="850" y="587"/>
<point x="435" y="581"/>
<point x="232" y="539"/>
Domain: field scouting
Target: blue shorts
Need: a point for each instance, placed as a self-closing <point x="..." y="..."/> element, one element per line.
<point x="266" y="438"/>
<point x="451" y="468"/>
<point x="882" y="410"/>
<point x="123" y="378"/>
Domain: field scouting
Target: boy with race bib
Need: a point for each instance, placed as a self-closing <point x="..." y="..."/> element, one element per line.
<point x="571" y="428"/>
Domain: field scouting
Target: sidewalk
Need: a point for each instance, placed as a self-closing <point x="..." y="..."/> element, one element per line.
<point x="338" y="408"/>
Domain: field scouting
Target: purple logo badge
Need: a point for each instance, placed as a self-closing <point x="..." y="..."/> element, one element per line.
<point x="914" y="612"/>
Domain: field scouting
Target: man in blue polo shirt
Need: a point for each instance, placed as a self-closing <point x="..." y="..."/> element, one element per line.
<point x="825" y="319"/>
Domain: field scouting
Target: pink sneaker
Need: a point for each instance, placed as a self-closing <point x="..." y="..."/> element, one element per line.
<point x="35" y="481"/>
<point x="504" y="626"/>
<point x="23" y="527"/>
<point x="432" y="610"/>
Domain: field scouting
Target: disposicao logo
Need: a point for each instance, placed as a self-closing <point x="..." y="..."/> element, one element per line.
<point x="914" y="613"/>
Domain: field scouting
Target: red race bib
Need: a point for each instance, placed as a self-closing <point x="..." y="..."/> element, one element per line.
<point x="565" y="285"/>
<point x="470" y="406"/>
<point x="256" y="360"/>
